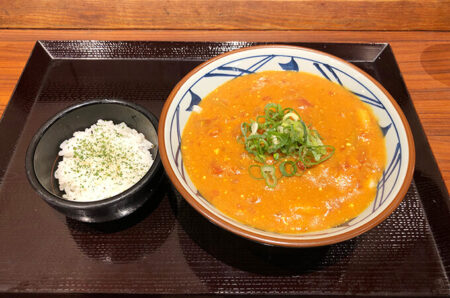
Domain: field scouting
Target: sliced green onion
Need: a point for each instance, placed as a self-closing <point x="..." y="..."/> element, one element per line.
<point x="268" y="172"/>
<point x="307" y="156"/>
<point x="284" y="171"/>
<point x="250" y="171"/>
<point x="254" y="128"/>
<point x="282" y="134"/>
<point x="292" y="115"/>
<point x="244" y="129"/>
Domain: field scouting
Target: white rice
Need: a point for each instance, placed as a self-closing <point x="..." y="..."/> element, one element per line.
<point x="102" y="161"/>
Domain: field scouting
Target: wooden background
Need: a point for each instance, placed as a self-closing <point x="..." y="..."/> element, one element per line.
<point x="417" y="30"/>
<point x="227" y="14"/>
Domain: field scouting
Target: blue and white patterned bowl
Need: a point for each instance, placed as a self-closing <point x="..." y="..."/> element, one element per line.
<point x="208" y="76"/>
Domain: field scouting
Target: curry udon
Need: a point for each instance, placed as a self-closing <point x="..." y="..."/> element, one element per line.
<point x="284" y="189"/>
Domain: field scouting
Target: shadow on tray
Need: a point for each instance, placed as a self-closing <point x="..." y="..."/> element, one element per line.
<point x="129" y="238"/>
<point x="219" y="246"/>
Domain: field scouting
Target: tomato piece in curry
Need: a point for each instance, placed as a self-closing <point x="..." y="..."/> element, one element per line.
<point x="326" y="195"/>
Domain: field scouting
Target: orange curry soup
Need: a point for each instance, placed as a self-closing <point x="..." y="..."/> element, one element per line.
<point x="327" y="194"/>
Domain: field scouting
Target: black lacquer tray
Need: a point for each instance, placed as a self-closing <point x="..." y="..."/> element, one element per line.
<point x="167" y="247"/>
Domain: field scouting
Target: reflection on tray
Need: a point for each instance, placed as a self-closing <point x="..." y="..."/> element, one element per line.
<point x="127" y="239"/>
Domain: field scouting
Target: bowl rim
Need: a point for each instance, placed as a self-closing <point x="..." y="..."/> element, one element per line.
<point x="63" y="203"/>
<point x="272" y="239"/>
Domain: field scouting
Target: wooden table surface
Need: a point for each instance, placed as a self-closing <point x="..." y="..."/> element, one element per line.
<point x="423" y="58"/>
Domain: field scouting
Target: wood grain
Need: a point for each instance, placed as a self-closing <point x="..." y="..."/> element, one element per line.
<point x="423" y="58"/>
<point x="227" y="15"/>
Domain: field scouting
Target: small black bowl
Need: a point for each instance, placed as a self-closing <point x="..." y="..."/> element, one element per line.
<point x="42" y="157"/>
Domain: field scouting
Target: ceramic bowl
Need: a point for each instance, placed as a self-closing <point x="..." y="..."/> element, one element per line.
<point x="208" y="76"/>
<point x="42" y="156"/>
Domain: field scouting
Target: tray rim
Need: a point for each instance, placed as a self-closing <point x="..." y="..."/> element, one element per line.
<point x="40" y="46"/>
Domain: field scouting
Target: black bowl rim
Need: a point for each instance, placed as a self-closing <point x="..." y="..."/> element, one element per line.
<point x="60" y="202"/>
